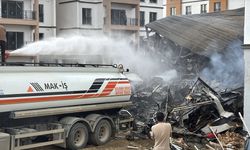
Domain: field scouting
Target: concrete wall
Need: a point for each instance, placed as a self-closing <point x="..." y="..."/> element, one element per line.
<point x="164" y="8"/>
<point x="48" y="26"/>
<point x="234" y="4"/>
<point x="97" y="11"/>
<point x="48" y="32"/>
<point x="195" y="6"/>
<point x="67" y="14"/>
<point x="247" y="63"/>
<point x="27" y="31"/>
<point x="69" y="18"/>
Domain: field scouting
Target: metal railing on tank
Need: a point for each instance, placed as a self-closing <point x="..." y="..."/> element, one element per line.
<point x="44" y="64"/>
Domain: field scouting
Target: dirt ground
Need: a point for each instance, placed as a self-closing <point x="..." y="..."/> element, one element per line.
<point x="115" y="144"/>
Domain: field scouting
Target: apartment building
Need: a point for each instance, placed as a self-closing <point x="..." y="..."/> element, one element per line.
<point x="90" y="17"/>
<point x="150" y="10"/>
<point x="20" y="19"/>
<point x="27" y="21"/>
<point x="188" y="7"/>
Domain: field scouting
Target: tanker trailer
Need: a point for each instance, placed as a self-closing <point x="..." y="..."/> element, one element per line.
<point x="69" y="104"/>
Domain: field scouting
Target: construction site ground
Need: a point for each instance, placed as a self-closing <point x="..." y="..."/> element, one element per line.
<point x="115" y="144"/>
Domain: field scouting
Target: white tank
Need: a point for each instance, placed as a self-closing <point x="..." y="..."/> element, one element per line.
<point x="31" y="87"/>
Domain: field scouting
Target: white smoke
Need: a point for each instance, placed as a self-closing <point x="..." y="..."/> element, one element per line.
<point x="227" y="69"/>
<point x="120" y="51"/>
<point x="168" y="76"/>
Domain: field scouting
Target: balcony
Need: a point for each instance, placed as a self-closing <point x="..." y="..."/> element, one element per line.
<point x="124" y="21"/>
<point x="25" y="14"/>
<point x="25" y="17"/>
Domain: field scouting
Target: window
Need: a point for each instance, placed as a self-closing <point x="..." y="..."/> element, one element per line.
<point x="118" y="17"/>
<point x="203" y="8"/>
<point x="217" y="6"/>
<point x="172" y="11"/>
<point x="152" y="16"/>
<point x="188" y="10"/>
<point x="12" y="9"/>
<point x="153" y="1"/>
<point x="86" y="16"/>
<point x="142" y="0"/>
<point x="14" y="40"/>
<point x="41" y="10"/>
<point x="142" y="18"/>
<point x="41" y="36"/>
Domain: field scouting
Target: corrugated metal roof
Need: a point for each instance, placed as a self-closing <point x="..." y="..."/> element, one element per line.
<point x="202" y="33"/>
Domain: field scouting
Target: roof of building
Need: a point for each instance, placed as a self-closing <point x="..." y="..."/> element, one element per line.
<point x="202" y="33"/>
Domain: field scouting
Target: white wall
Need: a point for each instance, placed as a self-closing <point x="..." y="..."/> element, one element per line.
<point x="247" y="64"/>
<point x="27" y="30"/>
<point x="48" y="26"/>
<point x="49" y="12"/>
<point x="195" y="6"/>
<point x="84" y="32"/>
<point x="97" y="11"/>
<point x="48" y="32"/>
<point x="69" y="18"/>
<point x="164" y="13"/>
<point x="234" y="4"/>
<point x="66" y="15"/>
<point x="148" y="7"/>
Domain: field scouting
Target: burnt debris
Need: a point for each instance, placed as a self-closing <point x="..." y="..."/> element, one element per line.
<point x="201" y="110"/>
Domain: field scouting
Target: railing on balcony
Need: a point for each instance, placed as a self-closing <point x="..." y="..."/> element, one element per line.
<point x="25" y="14"/>
<point x="124" y="21"/>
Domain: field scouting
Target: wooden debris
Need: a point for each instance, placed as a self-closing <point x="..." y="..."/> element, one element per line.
<point x="217" y="138"/>
<point x="208" y="146"/>
<point x="231" y="140"/>
<point x="132" y="147"/>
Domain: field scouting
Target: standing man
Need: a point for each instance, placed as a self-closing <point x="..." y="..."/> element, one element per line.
<point x="161" y="133"/>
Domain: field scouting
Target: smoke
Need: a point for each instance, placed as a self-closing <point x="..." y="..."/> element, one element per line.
<point x="226" y="69"/>
<point x="168" y="76"/>
<point x="119" y="51"/>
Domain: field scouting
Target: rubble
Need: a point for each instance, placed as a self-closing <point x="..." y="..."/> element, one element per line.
<point x="193" y="117"/>
<point x="194" y="106"/>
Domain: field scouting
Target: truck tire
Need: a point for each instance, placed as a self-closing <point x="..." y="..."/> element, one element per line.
<point x="102" y="133"/>
<point x="78" y="137"/>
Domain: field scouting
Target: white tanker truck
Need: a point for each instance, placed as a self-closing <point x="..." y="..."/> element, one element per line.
<point x="62" y="104"/>
<point x="70" y="106"/>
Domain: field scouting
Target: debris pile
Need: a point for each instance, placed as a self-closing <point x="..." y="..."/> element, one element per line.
<point x="231" y="140"/>
<point x="202" y="114"/>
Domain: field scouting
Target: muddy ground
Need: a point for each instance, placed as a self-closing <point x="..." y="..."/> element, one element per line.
<point x="115" y="144"/>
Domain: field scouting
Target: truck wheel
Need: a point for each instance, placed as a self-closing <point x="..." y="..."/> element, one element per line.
<point x="78" y="137"/>
<point x="102" y="133"/>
